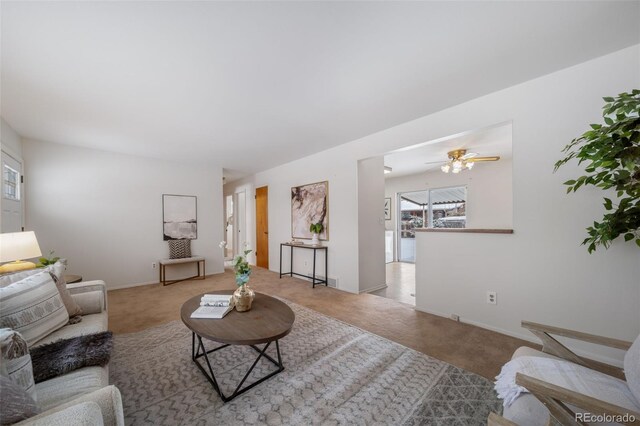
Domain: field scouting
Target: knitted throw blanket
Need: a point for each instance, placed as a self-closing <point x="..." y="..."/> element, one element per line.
<point x="66" y="355"/>
<point x="566" y="375"/>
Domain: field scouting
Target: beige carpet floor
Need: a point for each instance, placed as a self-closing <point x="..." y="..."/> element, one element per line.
<point x="471" y="348"/>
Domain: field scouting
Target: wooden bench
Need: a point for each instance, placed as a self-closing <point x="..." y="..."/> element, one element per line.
<point x="196" y="259"/>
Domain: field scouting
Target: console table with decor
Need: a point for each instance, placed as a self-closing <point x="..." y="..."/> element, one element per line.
<point x="315" y="249"/>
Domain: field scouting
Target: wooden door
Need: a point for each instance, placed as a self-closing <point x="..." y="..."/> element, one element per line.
<point x="262" y="227"/>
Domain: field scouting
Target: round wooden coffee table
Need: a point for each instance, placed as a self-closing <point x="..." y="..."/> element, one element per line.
<point x="268" y="321"/>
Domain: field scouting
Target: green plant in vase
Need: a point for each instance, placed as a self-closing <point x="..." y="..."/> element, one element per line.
<point x="46" y="261"/>
<point x="316" y="229"/>
<point x="242" y="268"/>
<point x="243" y="296"/>
<point x="611" y="152"/>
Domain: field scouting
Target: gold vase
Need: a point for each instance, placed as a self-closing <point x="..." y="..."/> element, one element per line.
<point x="243" y="297"/>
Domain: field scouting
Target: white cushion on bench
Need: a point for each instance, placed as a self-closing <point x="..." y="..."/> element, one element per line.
<point x="183" y="260"/>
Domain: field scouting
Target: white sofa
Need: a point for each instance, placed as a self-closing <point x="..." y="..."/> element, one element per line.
<point x="83" y="396"/>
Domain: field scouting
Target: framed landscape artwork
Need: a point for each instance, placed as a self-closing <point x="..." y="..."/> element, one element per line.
<point x="309" y="204"/>
<point x="179" y="217"/>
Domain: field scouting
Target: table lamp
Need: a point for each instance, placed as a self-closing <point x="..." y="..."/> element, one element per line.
<point x="15" y="246"/>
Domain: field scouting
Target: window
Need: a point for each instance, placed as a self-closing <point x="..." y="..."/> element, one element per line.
<point x="430" y="208"/>
<point x="447" y="207"/>
<point x="11" y="183"/>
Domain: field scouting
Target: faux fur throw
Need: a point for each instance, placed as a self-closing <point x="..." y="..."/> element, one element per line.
<point x="66" y="355"/>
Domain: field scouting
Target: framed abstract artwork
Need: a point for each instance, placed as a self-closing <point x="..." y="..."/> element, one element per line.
<point x="309" y="204"/>
<point x="179" y="217"/>
<point x="387" y="209"/>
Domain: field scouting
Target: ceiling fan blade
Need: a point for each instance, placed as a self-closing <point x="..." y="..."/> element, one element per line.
<point x="469" y="155"/>
<point x="479" y="159"/>
<point x="436" y="162"/>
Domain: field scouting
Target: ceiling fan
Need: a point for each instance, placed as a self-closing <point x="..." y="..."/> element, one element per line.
<point x="460" y="159"/>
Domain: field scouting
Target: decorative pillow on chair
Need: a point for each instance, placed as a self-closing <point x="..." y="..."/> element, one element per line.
<point x="15" y="361"/>
<point x="179" y="249"/>
<point x="33" y="307"/>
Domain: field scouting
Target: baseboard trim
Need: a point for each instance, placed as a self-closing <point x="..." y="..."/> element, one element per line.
<point x="370" y="290"/>
<point x="123" y="286"/>
<point x="525" y="336"/>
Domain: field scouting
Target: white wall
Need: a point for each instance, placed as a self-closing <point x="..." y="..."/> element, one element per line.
<point x="341" y="172"/>
<point x="103" y="211"/>
<point x="11" y="141"/>
<point x="371" y="262"/>
<point x="546" y="114"/>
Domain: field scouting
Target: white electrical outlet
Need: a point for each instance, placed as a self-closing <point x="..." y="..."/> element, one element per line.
<point x="154" y="265"/>
<point x="492" y="297"/>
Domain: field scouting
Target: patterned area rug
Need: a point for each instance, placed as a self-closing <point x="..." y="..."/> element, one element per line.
<point x="335" y="374"/>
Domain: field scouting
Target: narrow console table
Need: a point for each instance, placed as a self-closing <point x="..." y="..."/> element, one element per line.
<point x="315" y="249"/>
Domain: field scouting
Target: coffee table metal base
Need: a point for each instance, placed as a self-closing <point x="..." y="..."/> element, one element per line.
<point x="198" y="351"/>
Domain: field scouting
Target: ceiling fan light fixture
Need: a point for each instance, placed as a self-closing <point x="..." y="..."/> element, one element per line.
<point x="460" y="159"/>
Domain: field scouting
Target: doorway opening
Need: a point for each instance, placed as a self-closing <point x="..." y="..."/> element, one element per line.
<point x="240" y="222"/>
<point x="458" y="181"/>
<point x="229" y="227"/>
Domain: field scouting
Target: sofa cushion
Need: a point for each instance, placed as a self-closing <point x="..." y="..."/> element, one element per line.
<point x="33" y="307"/>
<point x="16" y="404"/>
<point x="632" y="368"/>
<point x="94" y="323"/>
<point x="15" y="361"/>
<point x="108" y="399"/>
<point x="91" y="302"/>
<point x="69" y="386"/>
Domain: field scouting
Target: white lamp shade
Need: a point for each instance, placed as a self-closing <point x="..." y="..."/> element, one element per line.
<point x="18" y="246"/>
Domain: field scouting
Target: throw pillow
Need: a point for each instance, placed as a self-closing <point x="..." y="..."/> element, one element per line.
<point x="14" y="277"/>
<point x="33" y="307"/>
<point x="179" y="249"/>
<point x="10" y="278"/>
<point x="57" y="273"/>
<point x="16" y="361"/>
<point x="16" y="404"/>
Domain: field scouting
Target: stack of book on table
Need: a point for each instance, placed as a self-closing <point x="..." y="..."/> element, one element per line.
<point x="214" y="306"/>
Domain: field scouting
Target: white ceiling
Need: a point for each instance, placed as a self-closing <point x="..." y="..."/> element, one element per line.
<point x="484" y="142"/>
<point x="250" y="85"/>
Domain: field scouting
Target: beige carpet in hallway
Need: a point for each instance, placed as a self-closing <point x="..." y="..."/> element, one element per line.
<point x="472" y="348"/>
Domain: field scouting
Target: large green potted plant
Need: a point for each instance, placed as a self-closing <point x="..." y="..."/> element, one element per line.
<point x="611" y="152"/>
